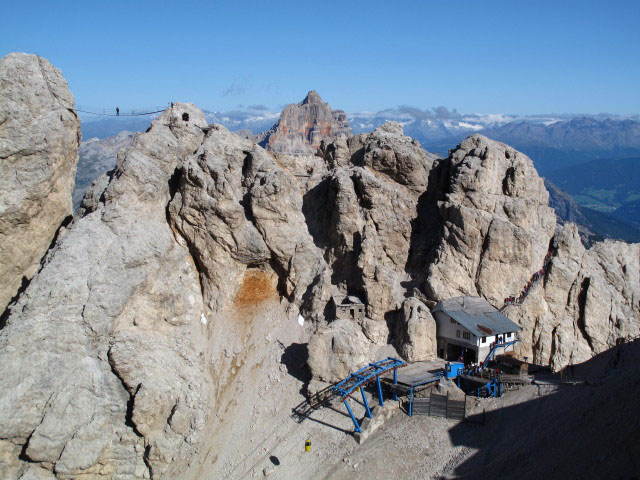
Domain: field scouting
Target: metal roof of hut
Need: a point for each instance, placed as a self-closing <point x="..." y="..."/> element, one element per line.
<point x="477" y="315"/>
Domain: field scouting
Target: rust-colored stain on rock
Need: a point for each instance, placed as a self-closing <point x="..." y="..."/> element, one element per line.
<point x="256" y="287"/>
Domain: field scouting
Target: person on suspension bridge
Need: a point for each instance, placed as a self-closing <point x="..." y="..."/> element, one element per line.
<point x="117" y="111"/>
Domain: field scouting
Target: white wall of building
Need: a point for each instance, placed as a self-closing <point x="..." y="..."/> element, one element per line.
<point x="448" y="330"/>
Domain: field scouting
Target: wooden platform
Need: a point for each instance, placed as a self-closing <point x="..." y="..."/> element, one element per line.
<point x="417" y="373"/>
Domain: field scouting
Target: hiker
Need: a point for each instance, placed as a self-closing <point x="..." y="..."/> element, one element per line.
<point x="117" y="111"/>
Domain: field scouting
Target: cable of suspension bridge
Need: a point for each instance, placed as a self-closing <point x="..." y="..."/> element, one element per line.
<point x="115" y="114"/>
<point x="76" y="110"/>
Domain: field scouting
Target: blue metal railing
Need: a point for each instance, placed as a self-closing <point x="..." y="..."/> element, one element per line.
<point x="492" y="352"/>
<point x="358" y="379"/>
<point x="345" y="387"/>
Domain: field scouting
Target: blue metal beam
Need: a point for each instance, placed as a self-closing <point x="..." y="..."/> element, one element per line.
<point x="353" y="417"/>
<point x="411" y="402"/>
<point x="395" y="382"/>
<point x="354" y="380"/>
<point x="358" y="379"/>
<point x="380" y="392"/>
<point x="364" y="400"/>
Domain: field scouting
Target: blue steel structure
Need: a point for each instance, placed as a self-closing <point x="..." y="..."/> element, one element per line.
<point x="452" y="369"/>
<point x="435" y="377"/>
<point x="493" y="388"/>
<point x="359" y="379"/>
<point x="492" y="352"/>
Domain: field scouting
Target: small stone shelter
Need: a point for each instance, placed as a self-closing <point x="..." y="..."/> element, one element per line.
<point x="468" y="326"/>
<point x="348" y="307"/>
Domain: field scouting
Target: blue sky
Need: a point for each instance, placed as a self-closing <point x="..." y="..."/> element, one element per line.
<point x="521" y="57"/>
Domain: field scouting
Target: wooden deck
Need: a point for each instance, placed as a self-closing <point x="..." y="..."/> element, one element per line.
<point x="417" y="373"/>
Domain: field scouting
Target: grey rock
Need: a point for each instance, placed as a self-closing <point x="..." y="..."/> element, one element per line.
<point x="586" y="304"/>
<point x="340" y="349"/>
<point x="497" y="224"/>
<point x="148" y="325"/>
<point x="93" y="194"/>
<point x="235" y="207"/>
<point x="416" y="332"/>
<point x="39" y="137"/>
<point x="110" y="381"/>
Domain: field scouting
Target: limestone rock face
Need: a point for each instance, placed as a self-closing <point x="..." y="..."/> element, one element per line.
<point x="337" y="351"/>
<point x="100" y="371"/>
<point x="497" y="225"/>
<point x="303" y="126"/>
<point x="39" y="140"/>
<point x="416" y="332"/>
<point x="373" y="188"/>
<point x="586" y="304"/>
<point x="140" y="347"/>
<point x="497" y="230"/>
<point x="236" y="207"/>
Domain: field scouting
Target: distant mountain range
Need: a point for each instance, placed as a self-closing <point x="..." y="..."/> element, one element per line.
<point x="552" y="141"/>
<point x="606" y="192"/>
<point x="604" y="186"/>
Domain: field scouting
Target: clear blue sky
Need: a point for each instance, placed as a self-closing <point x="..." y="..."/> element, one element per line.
<point x="561" y="56"/>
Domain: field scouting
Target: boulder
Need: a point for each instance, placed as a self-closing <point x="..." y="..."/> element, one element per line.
<point x="416" y="331"/>
<point x="337" y="351"/>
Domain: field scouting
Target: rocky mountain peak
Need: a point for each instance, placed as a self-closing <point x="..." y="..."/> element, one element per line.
<point x="312" y="97"/>
<point x="304" y="125"/>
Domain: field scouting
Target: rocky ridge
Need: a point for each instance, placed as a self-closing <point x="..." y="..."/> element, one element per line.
<point x="140" y="347"/>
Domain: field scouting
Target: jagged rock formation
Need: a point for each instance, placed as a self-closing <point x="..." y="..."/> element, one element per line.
<point x="38" y="155"/>
<point x="497" y="229"/>
<point x="497" y="223"/>
<point x="587" y="304"/>
<point x="303" y="126"/>
<point x="95" y="158"/>
<point x="111" y="381"/>
<point x="141" y="346"/>
<point x="236" y="207"/>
